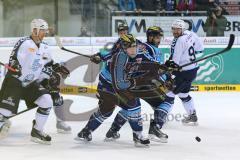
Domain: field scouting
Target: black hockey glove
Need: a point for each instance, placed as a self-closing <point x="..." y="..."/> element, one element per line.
<point x="96" y="58"/>
<point x="172" y="65"/>
<point x="63" y="70"/>
<point x="15" y="65"/>
<point x="57" y="98"/>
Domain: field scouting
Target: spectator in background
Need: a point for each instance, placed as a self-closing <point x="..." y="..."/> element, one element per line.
<point x="216" y="23"/>
<point x="84" y="32"/>
<point x="204" y="5"/>
<point x="150" y="5"/>
<point x="127" y="5"/>
<point x="186" y="5"/>
<point x="169" y="5"/>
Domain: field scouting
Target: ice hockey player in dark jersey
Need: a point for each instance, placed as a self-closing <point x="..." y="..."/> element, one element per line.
<point x="149" y="52"/>
<point x="108" y="99"/>
<point x="29" y="57"/>
<point x="99" y="57"/>
<point x="104" y="56"/>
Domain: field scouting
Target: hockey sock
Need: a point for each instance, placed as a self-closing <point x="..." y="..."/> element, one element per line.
<point x="96" y="120"/>
<point x="41" y="118"/>
<point x="188" y="104"/>
<point x="120" y="119"/>
<point x="135" y="119"/>
<point x="161" y="112"/>
<point x="57" y="112"/>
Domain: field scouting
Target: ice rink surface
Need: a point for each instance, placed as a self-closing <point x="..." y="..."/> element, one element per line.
<point x="219" y="129"/>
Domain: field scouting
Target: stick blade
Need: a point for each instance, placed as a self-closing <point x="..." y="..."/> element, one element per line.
<point x="58" y="41"/>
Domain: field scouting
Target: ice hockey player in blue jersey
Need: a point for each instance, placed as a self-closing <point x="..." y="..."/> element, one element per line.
<point x="99" y="57"/>
<point x="109" y="97"/>
<point x="148" y="51"/>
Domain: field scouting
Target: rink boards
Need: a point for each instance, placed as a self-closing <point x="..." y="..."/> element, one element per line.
<point x="215" y="74"/>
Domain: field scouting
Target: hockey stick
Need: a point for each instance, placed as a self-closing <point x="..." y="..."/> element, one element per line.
<point x="8" y="67"/>
<point x="59" y="44"/>
<point x="229" y="46"/>
<point x="23" y="112"/>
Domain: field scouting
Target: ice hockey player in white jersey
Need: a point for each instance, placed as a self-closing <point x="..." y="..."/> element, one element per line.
<point x="29" y="57"/>
<point x="183" y="49"/>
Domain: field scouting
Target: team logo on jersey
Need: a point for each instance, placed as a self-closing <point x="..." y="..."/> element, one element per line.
<point x="9" y="101"/>
<point x="32" y="50"/>
<point x="36" y="65"/>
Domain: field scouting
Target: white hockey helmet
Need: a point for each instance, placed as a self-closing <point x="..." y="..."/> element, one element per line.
<point x="179" y="24"/>
<point x="39" y="24"/>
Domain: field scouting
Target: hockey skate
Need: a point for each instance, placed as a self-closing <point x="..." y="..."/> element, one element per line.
<point x="5" y="125"/>
<point x="63" y="128"/>
<point x="155" y="133"/>
<point x="112" y="135"/>
<point x="39" y="137"/>
<point x="140" y="141"/>
<point x="84" y="135"/>
<point x="191" y="120"/>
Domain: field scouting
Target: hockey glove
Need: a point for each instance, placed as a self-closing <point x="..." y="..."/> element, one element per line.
<point x="172" y="65"/>
<point x="15" y="65"/>
<point x="63" y="70"/>
<point x="96" y="58"/>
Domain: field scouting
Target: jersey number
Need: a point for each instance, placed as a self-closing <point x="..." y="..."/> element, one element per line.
<point x="191" y="53"/>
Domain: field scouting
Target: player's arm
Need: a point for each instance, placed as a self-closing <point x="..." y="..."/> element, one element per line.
<point x="104" y="56"/>
<point x="176" y="54"/>
<point x="177" y="51"/>
<point x="19" y="58"/>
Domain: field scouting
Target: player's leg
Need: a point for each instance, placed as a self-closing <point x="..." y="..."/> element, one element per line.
<point x="107" y="102"/>
<point x="9" y="101"/>
<point x="161" y="110"/>
<point x="120" y="119"/>
<point x="34" y="94"/>
<point x="133" y="113"/>
<point x="5" y="124"/>
<point x="61" y="125"/>
<point x="44" y="103"/>
<point x="188" y="104"/>
<point x="183" y="82"/>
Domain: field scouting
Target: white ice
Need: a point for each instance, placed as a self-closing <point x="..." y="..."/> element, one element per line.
<point x="219" y="129"/>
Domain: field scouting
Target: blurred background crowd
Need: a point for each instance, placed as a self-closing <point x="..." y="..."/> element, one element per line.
<point x="87" y="18"/>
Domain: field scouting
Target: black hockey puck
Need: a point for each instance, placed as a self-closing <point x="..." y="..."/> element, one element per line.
<point x="198" y="139"/>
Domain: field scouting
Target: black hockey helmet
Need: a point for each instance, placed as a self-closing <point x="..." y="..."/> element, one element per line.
<point x="154" y="30"/>
<point x="128" y="41"/>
